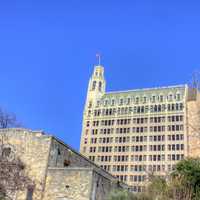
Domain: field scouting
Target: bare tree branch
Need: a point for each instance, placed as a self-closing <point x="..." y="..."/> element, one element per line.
<point x="7" y="120"/>
<point x="13" y="177"/>
<point x="195" y="81"/>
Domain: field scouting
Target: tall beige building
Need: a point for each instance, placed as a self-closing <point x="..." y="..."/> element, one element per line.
<point x="138" y="132"/>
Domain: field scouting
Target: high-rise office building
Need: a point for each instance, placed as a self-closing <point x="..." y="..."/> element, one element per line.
<point x="138" y="132"/>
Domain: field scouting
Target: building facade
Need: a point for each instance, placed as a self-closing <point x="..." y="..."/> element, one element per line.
<point x="57" y="170"/>
<point x="132" y="134"/>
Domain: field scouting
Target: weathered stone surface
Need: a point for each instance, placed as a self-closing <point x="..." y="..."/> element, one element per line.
<point x="71" y="184"/>
<point x="59" y="172"/>
<point x="33" y="150"/>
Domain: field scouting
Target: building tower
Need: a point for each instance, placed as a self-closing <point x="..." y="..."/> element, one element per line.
<point x="96" y="86"/>
<point x="96" y="90"/>
<point x="134" y="133"/>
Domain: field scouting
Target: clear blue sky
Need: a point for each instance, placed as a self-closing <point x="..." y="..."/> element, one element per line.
<point x="47" y="53"/>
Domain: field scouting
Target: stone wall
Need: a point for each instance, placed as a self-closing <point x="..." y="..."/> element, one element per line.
<point x="33" y="149"/>
<point x="59" y="172"/>
<point x="61" y="155"/>
<point x="77" y="184"/>
<point x="193" y="126"/>
<point x="68" y="184"/>
<point x="101" y="186"/>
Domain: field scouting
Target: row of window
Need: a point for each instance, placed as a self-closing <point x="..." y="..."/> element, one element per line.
<point x="141" y="120"/>
<point x="138" y="148"/>
<point x="175" y="147"/>
<point x="152" y="138"/>
<point x="137" y="158"/>
<point x="144" y="168"/>
<point x="121" y="158"/>
<point x="143" y="99"/>
<point x="137" y="178"/>
<point x="141" y="168"/>
<point x="137" y="109"/>
<point x="138" y="168"/>
<point x="104" y="149"/>
<point x="169" y="128"/>
<point x="120" y="168"/>
<point x="104" y="140"/>
<point x="104" y="158"/>
<point x="94" y="85"/>
<point x="122" y="177"/>
<point x="123" y="130"/>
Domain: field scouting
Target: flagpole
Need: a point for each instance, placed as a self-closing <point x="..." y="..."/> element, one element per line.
<point x="99" y="58"/>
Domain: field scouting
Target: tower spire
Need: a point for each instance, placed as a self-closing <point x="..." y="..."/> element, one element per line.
<point x="98" y="56"/>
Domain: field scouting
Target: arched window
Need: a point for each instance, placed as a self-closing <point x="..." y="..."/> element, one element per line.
<point x="112" y="102"/>
<point x="178" y="96"/>
<point x="94" y="85"/>
<point x="161" y="98"/>
<point x="153" y="99"/>
<point x="106" y="101"/>
<point x="144" y="99"/>
<point x="100" y="86"/>
<point x="128" y="101"/>
<point x="137" y="100"/>
<point x="121" y="101"/>
<point x="98" y="103"/>
<point x="170" y="97"/>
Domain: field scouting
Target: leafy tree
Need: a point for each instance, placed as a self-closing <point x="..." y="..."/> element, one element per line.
<point x="121" y="195"/>
<point x="186" y="179"/>
<point x="158" y="188"/>
<point x="182" y="184"/>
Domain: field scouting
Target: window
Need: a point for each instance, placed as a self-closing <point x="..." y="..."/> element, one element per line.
<point x="113" y="102"/>
<point x="137" y="100"/>
<point x="29" y="194"/>
<point x="94" y="85"/>
<point x="100" y="86"/>
<point x="153" y="99"/>
<point x="88" y="123"/>
<point x="178" y="97"/>
<point x="161" y="98"/>
<point x="170" y="97"/>
<point x="106" y="102"/>
<point x="128" y="101"/>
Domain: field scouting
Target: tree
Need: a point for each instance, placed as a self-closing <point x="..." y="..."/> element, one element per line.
<point x="182" y="184"/>
<point x="12" y="174"/>
<point x="158" y="188"/>
<point x="186" y="180"/>
<point x="12" y="170"/>
<point x="121" y="195"/>
<point x="7" y="120"/>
